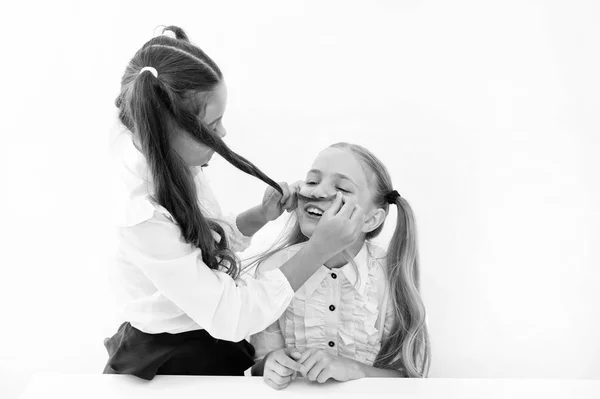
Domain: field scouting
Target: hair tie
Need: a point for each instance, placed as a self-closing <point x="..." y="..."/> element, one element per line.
<point x="392" y="197"/>
<point x="169" y="33"/>
<point x="152" y="70"/>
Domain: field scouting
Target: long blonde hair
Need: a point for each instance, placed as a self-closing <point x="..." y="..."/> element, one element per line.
<point x="407" y="347"/>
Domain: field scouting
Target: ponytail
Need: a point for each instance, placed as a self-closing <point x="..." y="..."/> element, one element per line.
<point x="407" y="346"/>
<point x="174" y="187"/>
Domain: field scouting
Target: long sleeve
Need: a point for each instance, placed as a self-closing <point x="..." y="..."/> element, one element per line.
<point x="228" y="309"/>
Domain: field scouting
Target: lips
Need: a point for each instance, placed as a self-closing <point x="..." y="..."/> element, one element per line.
<point x="313" y="210"/>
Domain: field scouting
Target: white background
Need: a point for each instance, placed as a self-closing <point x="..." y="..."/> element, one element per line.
<point x="486" y="114"/>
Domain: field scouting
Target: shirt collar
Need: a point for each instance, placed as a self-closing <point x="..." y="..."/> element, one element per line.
<point x="357" y="280"/>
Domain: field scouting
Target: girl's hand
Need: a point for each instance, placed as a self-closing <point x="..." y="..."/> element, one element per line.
<point x="320" y="366"/>
<point x="338" y="228"/>
<point x="273" y="203"/>
<point x="280" y="367"/>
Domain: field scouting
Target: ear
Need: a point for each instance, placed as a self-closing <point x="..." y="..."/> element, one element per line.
<point x="374" y="220"/>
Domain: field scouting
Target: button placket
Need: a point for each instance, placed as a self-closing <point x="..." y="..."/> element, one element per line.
<point x="332" y="314"/>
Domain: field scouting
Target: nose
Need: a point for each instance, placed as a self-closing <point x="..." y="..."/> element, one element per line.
<point x="222" y="132"/>
<point x="319" y="192"/>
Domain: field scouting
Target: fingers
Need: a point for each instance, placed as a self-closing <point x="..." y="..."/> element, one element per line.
<point x="292" y="201"/>
<point x="310" y="362"/>
<point x="295" y="186"/>
<point x="289" y="201"/>
<point x="347" y="210"/>
<point x="286" y="192"/>
<point x="277" y="376"/>
<point x="293" y="353"/>
<point x="316" y="370"/>
<point x="277" y="382"/>
<point x="281" y="370"/>
<point x="335" y="206"/>
<point x="271" y="194"/>
<point x="305" y="356"/>
<point x="357" y="215"/>
<point x="284" y="360"/>
<point x="324" y="375"/>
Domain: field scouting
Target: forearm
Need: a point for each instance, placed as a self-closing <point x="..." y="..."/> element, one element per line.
<point x="303" y="265"/>
<point x="251" y="221"/>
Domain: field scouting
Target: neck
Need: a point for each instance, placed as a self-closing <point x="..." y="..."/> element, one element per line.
<point x="340" y="259"/>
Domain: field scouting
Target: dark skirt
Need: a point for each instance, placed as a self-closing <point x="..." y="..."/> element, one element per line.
<point x="131" y="351"/>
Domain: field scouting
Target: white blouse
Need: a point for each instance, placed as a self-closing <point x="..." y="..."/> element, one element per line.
<point x="160" y="281"/>
<point x="344" y="311"/>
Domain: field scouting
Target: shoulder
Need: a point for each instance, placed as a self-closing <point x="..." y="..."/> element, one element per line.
<point x="157" y="236"/>
<point x="142" y="208"/>
<point x="378" y="268"/>
<point x="277" y="259"/>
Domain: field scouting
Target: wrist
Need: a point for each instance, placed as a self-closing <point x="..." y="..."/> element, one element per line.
<point x="251" y="220"/>
<point x="262" y="214"/>
<point x="357" y="370"/>
<point x="321" y="252"/>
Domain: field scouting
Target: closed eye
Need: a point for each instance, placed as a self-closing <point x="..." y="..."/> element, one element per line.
<point x="310" y="183"/>
<point x="344" y="191"/>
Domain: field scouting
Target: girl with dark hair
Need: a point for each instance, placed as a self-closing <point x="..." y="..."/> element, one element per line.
<point x="361" y="314"/>
<point x="186" y="305"/>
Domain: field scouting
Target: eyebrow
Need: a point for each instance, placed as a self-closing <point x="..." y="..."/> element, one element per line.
<point x="338" y="175"/>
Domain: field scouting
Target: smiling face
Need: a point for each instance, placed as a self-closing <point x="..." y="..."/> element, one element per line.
<point x="336" y="170"/>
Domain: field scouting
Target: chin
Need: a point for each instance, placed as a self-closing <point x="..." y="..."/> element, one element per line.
<point x="307" y="226"/>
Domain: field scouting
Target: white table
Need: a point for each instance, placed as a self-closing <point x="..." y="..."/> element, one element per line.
<point x="88" y="386"/>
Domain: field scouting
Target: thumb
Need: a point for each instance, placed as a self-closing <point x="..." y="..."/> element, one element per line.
<point x="293" y="353"/>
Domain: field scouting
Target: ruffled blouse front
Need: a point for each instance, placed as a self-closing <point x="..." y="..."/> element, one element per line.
<point x="344" y="311"/>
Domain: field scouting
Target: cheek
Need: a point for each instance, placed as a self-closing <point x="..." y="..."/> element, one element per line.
<point x="191" y="152"/>
<point x="364" y="200"/>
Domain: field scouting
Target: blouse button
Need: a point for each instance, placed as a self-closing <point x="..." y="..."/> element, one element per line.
<point x="331" y="344"/>
<point x="331" y="307"/>
<point x="333" y="275"/>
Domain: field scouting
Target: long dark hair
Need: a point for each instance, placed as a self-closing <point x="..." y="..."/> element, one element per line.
<point x="149" y="105"/>
<point x="407" y="347"/>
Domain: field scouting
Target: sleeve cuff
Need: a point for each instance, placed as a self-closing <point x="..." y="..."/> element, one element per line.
<point x="277" y="276"/>
<point x="286" y="293"/>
